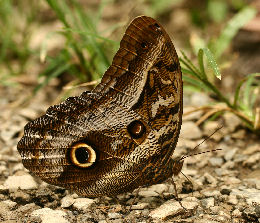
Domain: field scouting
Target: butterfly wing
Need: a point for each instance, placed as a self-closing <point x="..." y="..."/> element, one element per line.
<point x="110" y="140"/>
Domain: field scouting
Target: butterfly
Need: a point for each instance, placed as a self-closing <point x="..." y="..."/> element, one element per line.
<point x="122" y="134"/>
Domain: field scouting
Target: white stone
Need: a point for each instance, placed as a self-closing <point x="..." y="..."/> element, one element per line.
<point x="230" y="154"/>
<point x="254" y="181"/>
<point x="232" y="180"/>
<point x="24" y="182"/>
<point x="83" y="203"/>
<point x="172" y="207"/>
<point x="67" y="201"/>
<point x="232" y="121"/>
<point x="236" y="213"/>
<point x="159" y="188"/>
<point x="9" y="203"/>
<point x="252" y="149"/>
<point x="199" y="99"/>
<point x="216" y="161"/>
<point x="189" y="115"/>
<point x="215" y="209"/>
<point x="139" y="206"/>
<point x="189" y="130"/>
<point x="209" y="179"/>
<point x="48" y="215"/>
<point x="148" y="193"/>
<point x="208" y="202"/>
<point x="113" y="215"/>
<point x="253" y="159"/>
<point x="232" y="199"/>
<point x="251" y="195"/>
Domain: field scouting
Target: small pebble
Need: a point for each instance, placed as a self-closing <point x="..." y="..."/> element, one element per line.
<point x="82" y="203"/>
<point x="189" y="130"/>
<point x="148" y="193"/>
<point x="216" y="161"/>
<point x="114" y="215"/>
<point x="48" y="215"/>
<point x="25" y="182"/>
<point x="230" y="154"/>
<point x="208" y="202"/>
<point x="172" y="207"/>
<point x="67" y="201"/>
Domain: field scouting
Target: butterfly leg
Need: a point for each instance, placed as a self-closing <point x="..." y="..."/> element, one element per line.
<point x="176" y="195"/>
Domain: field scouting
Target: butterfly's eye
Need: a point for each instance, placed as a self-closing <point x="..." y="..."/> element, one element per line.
<point x="82" y="155"/>
<point x="136" y="129"/>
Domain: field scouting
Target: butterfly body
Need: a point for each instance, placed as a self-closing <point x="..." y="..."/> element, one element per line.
<point x="122" y="134"/>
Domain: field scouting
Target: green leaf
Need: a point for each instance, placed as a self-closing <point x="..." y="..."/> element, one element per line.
<point x="212" y="62"/>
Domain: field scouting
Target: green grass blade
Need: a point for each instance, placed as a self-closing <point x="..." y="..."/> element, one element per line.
<point x="238" y="21"/>
<point x="201" y="64"/>
<point x="198" y="84"/>
<point x="247" y="96"/>
<point x="212" y="62"/>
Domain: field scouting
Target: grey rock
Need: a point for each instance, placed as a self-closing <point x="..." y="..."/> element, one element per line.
<point x="232" y="121"/>
<point x="251" y="195"/>
<point x="48" y="215"/>
<point x="8" y="133"/>
<point x="24" y="182"/>
<point x="148" y="193"/>
<point x="159" y="188"/>
<point x="189" y="130"/>
<point x="232" y="199"/>
<point x="236" y="213"/>
<point x="230" y="154"/>
<point x="228" y="165"/>
<point x="222" y="172"/>
<point x="189" y="116"/>
<point x="251" y="149"/>
<point x="210" y="126"/>
<point x="114" y="215"/>
<point x="210" y="193"/>
<point x="231" y="180"/>
<point x="209" y="179"/>
<point x="172" y="207"/>
<point x="208" y="202"/>
<point x="240" y="134"/>
<point x="18" y="167"/>
<point x="216" y="161"/>
<point x="198" y="98"/>
<point x="83" y="203"/>
<point x="215" y="209"/>
<point x="252" y="160"/>
<point x="10" y="204"/>
<point x="5" y="213"/>
<point x="252" y="182"/>
<point x="139" y="206"/>
<point x="67" y="201"/>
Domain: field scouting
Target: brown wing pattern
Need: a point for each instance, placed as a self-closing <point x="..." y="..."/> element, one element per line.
<point x="142" y="88"/>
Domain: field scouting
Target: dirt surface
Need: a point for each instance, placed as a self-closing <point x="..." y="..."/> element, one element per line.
<point x="225" y="184"/>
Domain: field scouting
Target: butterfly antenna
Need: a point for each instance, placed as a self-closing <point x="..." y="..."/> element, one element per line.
<point x="207" y="138"/>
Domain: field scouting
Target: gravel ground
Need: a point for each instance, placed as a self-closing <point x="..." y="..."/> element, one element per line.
<point x="225" y="184"/>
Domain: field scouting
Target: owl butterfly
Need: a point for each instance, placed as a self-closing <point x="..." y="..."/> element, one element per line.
<point x="122" y="134"/>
